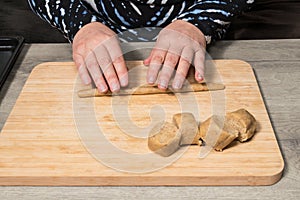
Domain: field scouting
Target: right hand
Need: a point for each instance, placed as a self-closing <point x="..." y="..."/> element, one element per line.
<point x="96" y="51"/>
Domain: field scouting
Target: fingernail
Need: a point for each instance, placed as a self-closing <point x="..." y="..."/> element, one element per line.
<point x="115" y="87"/>
<point x="163" y="83"/>
<point x="151" y="79"/>
<point x="200" y="78"/>
<point x="103" y="88"/>
<point x="146" y="62"/>
<point x="177" y="85"/>
<point x="123" y="82"/>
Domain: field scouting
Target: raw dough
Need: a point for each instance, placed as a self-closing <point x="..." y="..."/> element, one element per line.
<point x="243" y="122"/>
<point x="164" y="139"/>
<point x="188" y="127"/>
<point x="239" y="124"/>
<point x="217" y="137"/>
<point x="153" y="89"/>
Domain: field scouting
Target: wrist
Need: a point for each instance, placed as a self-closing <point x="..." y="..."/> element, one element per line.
<point x="190" y="27"/>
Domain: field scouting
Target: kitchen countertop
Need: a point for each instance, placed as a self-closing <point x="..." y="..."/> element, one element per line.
<point x="277" y="67"/>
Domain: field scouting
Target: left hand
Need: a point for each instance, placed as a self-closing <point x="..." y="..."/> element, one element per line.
<point x="179" y="43"/>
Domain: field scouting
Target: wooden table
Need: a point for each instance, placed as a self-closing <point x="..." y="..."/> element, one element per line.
<point x="277" y="67"/>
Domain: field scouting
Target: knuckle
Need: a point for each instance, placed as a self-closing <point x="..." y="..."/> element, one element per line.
<point x="185" y="62"/>
<point x="121" y="71"/>
<point x="158" y="59"/>
<point x="80" y="48"/>
<point x="166" y="72"/>
<point x="152" y="72"/>
<point x="183" y="69"/>
<point x="111" y="77"/>
<point x="155" y="66"/>
<point x="99" y="80"/>
<point x="167" y="69"/>
<point x="118" y="60"/>
<point x="181" y="73"/>
<point x="91" y="64"/>
<point x="172" y="60"/>
<point x="104" y="61"/>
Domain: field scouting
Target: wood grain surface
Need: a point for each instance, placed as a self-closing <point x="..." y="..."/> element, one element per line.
<point x="273" y="70"/>
<point x="40" y="144"/>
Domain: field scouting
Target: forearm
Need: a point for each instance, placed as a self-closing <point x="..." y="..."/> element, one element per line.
<point x="67" y="16"/>
<point x="214" y="17"/>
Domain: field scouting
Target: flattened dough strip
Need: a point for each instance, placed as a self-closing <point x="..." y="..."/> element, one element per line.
<point x="153" y="89"/>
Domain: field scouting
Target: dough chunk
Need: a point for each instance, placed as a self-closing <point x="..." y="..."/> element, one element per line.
<point x="212" y="133"/>
<point x="220" y="132"/>
<point x="188" y="127"/>
<point x="164" y="139"/>
<point x="242" y="121"/>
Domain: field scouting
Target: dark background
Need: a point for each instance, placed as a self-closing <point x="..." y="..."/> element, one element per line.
<point x="267" y="20"/>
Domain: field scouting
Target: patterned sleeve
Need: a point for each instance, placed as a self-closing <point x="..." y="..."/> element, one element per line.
<point x="213" y="17"/>
<point x="68" y="16"/>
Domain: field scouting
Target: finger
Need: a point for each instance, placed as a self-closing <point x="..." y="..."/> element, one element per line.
<point x="161" y="45"/>
<point x="107" y="68"/>
<point x="82" y="70"/>
<point x="116" y="55"/>
<point x="170" y="63"/>
<point x="112" y="46"/>
<point x="157" y="57"/>
<point x="181" y="72"/>
<point x="94" y="70"/>
<point x="84" y="74"/>
<point x="121" y="70"/>
<point x="156" y="62"/>
<point x="183" y="67"/>
<point x="199" y="60"/>
<point x="188" y="54"/>
<point x="147" y="60"/>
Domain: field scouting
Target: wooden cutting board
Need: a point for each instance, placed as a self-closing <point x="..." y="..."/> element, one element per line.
<point x="52" y="137"/>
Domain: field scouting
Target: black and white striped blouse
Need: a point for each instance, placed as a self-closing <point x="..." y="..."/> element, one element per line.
<point x="212" y="17"/>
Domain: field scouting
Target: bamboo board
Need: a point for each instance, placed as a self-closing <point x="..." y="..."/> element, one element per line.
<point x="54" y="138"/>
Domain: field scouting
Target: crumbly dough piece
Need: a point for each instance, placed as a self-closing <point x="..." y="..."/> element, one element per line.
<point x="217" y="137"/>
<point x="188" y="127"/>
<point x="239" y="124"/>
<point x="164" y="139"/>
<point x="242" y="121"/>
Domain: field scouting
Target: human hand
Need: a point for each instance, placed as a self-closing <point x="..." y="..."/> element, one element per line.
<point x="96" y="51"/>
<point x="179" y="43"/>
